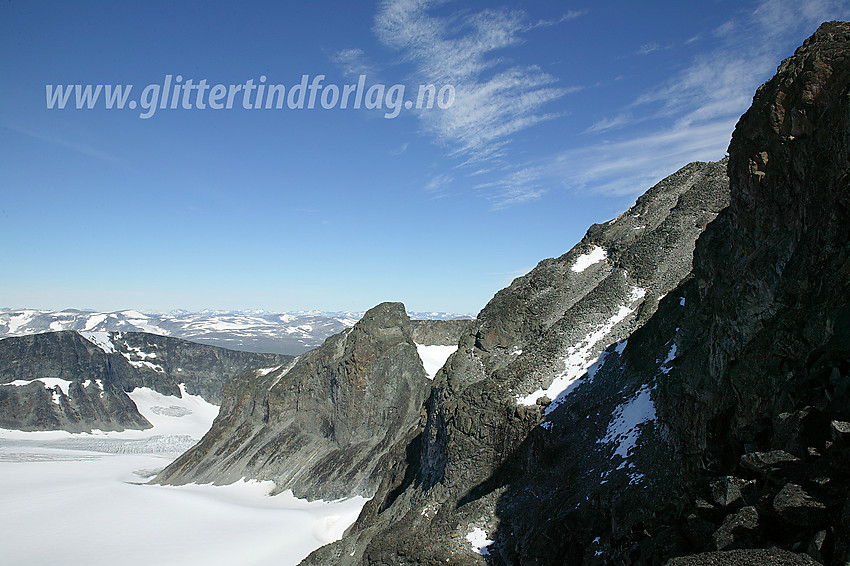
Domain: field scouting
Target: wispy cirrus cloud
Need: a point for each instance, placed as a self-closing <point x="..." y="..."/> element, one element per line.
<point x="515" y="185"/>
<point x="354" y="62"/>
<point x="720" y="83"/>
<point x="691" y="116"/>
<point x="494" y="99"/>
<point x="438" y="185"/>
<point x="648" y="48"/>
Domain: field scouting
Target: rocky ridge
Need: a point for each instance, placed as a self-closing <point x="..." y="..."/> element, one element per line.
<point x="78" y="382"/>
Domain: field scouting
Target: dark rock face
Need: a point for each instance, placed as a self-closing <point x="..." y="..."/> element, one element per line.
<point x="764" y="363"/>
<point x="85" y="383"/>
<point x="203" y="369"/>
<point x="771" y="557"/>
<point x="712" y="427"/>
<point x="322" y="425"/>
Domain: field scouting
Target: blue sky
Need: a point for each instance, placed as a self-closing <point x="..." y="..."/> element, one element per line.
<point x="563" y="114"/>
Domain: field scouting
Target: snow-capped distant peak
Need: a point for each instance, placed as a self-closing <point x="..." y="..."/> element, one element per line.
<point x="255" y="331"/>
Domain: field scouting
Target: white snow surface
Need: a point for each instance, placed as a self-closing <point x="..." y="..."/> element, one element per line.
<point x="197" y="413"/>
<point x="584" y="261"/>
<point x="94" y="321"/>
<point x="434" y="357"/>
<point x="48" y="382"/>
<point x="90" y="509"/>
<point x="87" y="492"/>
<point x="623" y="428"/>
<point x="99" y="339"/>
<point x="265" y="371"/>
<point x="577" y="360"/>
<point x="477" y="537"/>
<point x="671" y="355"/>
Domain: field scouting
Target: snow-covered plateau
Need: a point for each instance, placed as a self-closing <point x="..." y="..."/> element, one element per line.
<point x="83" y="499"/>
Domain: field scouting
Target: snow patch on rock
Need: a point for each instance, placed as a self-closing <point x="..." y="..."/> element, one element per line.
<point x="434" y="357"/>
<point x="584" y="261"/>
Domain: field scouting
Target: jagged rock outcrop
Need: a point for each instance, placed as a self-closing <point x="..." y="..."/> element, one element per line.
<point x="78" y="382"/>
<point x="322" y="425"/>
<point x="719" y="427"/>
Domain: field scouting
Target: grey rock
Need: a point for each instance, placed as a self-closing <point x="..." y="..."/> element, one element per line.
<point x="797" y="506"/>
<point x="768" y="464"/>
<point x="438" y="332"/>
<point x="478" y="439"/>
<point x="738" y="529"/>
<point x="764" y="330"/>
<point x="100" y="377"/>
<point x="840" y="430"/>
<point x="751" y="557"/>
<point x="729" y="490"/>
<point x="816" y="545"/>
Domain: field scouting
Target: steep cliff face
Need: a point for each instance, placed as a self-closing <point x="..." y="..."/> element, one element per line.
<point x="720" y="424"/>
<point x="321" y="425"/>
<point x="760" y="390"/>
<point x="78" y="382"/>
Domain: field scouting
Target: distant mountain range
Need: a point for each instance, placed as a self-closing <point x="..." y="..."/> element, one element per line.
<point x="251" y="331"/>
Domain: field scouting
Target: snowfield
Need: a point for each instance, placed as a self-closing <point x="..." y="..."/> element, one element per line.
<point x="434" y="357"/>
<point x="82" y="499"/>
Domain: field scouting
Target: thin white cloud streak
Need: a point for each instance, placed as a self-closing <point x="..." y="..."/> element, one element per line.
<point x="634" y="165"/>
<point x="72" y="145"/>
<point x="354" y="62"/>
<point x="721" y="83"/>
<point x="493" y="99"/>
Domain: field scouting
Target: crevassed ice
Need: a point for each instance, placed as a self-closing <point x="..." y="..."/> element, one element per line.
<point x="586" y="260"/>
